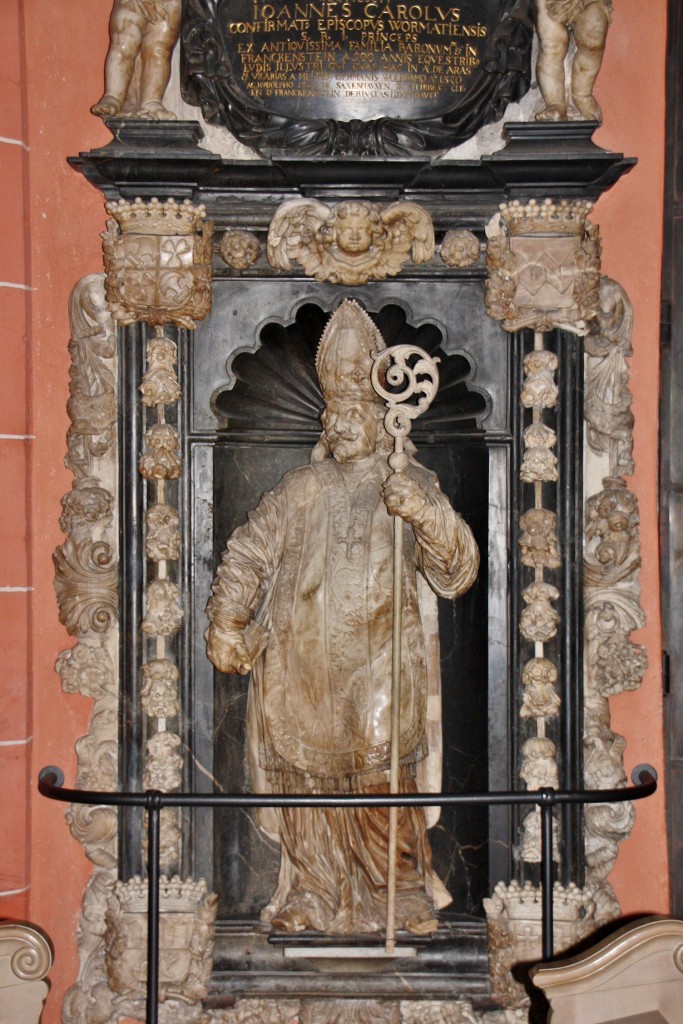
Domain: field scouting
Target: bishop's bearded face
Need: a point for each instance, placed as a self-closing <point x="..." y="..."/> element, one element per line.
<point x="350" y="429"/>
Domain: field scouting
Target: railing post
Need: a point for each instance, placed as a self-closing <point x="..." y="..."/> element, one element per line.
<point x="548" y="801"/>
<point x="153" y="822"/>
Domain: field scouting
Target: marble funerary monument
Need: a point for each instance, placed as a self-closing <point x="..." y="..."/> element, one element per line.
<point x="352" y="375"/>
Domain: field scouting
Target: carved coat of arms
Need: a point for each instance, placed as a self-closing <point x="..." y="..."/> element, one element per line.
<point x="158" y="262"/>
<point x="186" y="921"/>
<point x="544" y="266"/>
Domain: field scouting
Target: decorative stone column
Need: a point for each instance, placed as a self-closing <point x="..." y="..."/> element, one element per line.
<point x="158" y="264"/>
<point x="544" y="270"/>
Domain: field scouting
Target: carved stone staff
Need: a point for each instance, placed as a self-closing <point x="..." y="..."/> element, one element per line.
<point x="414" y="378"/>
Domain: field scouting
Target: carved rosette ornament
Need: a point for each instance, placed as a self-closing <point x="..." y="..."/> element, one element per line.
<point x="186" y="918"/>
<point x="351" y="242"/>
<point x="460" y="248"/>
<point x="239" y="250"/>
<point x="544" y="266"/>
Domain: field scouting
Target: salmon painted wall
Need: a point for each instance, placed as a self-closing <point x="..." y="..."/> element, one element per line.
<point x="14" y="454"/>
<point x="51" y="65"/>
<point x="51" y="60"/>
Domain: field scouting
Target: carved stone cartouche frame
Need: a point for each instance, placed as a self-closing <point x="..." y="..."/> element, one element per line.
<point x="217" y="66"/>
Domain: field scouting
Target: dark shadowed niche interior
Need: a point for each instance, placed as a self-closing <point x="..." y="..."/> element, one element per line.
<point x="269" y="421"/>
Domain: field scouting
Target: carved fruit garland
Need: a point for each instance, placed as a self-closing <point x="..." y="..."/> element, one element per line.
<point x="539" y="619"/>
<point x="160" y="463"/>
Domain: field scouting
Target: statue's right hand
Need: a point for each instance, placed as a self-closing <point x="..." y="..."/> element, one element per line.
<point x="228" y="652"/>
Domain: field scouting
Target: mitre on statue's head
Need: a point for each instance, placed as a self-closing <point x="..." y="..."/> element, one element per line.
<point x="346" y="353"/>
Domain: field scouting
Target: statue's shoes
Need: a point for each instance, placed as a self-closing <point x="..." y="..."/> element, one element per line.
<point x="422" y="924"/>
<point x="291" y="919"/>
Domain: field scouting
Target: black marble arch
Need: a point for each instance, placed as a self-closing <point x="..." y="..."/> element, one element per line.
<point x="322" y="123"/>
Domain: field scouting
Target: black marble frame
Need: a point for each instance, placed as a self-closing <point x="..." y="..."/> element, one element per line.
<point x="671" y="469"/>
<point x="539" y="161"/>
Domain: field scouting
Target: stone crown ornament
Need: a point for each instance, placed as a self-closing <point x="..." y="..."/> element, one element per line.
<point x="346" y="352"/>
<point x="546" y="218"/>
<point x="157" y="217"/>
<point x="179" y="896"/>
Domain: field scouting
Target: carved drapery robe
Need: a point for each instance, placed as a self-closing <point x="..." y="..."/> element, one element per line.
<point x="313" y="569"/>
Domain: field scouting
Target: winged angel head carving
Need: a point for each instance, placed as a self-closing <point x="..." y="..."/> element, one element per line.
<point x="351" y="242"/>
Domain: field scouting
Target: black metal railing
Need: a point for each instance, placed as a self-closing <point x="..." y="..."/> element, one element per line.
<point x="51" y="785"/>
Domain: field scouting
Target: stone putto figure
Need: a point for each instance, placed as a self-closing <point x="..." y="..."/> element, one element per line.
<point x="588" y="22"/>
<point x="142" y="36"/>
<point x="303" y="601"/>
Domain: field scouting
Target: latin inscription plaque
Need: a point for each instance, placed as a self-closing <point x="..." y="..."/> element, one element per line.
<point x="395" y="60"/>
<point x="355" y="76"/>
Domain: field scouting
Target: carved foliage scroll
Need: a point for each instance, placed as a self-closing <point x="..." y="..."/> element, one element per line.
<point x="86" y="575"/>
<point x="613" y="663"/>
